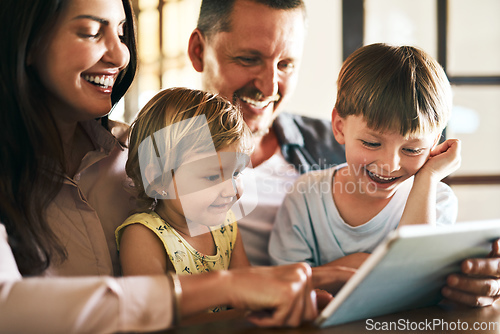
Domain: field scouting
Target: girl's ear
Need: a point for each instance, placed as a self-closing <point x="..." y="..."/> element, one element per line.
<point x="338" y="127"/>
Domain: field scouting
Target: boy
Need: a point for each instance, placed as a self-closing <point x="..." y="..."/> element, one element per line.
<point x="392" y="105"/>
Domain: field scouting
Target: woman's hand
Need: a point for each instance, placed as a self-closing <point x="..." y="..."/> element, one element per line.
<point x="273" y="296"/>
<point x="276" y="296"/>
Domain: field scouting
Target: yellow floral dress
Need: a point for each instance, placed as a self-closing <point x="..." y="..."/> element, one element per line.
<point x="184" y="257"/>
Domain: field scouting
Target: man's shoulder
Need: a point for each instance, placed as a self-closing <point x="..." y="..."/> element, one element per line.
<point x="303" y="130"/>
<point x="306" y="124"/>
<point x="313" y="137"/>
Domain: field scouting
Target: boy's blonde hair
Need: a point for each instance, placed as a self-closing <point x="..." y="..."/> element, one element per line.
<point x="175" y="106"/>
<point x="399" y="89"/>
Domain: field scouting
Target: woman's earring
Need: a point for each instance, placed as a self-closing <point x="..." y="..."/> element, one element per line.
<point x="154" y="204"/>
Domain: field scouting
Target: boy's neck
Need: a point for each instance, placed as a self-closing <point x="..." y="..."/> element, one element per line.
<point x="354" y="207"/>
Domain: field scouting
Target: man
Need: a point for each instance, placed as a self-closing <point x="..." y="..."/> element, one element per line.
<point x="479" y="282"/>
<point x="249" y="51"/>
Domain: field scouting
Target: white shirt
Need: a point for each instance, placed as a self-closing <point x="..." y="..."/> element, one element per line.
<point x="274" y="179"/>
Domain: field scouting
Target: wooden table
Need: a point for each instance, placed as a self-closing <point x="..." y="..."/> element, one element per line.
<point x="442" y="319"/>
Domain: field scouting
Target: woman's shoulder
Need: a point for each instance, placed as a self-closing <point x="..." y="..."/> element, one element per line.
<point x="105" y="136"/>
<point x="120" y="130"/>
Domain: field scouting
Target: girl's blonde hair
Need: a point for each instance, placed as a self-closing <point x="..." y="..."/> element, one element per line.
<point x="399" y="89"/>
<point x="175" y="106"/>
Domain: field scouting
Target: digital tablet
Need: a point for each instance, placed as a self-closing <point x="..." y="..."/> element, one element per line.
<point x="408" y="270"/>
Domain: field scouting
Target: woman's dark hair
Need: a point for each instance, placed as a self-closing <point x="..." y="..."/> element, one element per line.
<point x="31" y="154"/>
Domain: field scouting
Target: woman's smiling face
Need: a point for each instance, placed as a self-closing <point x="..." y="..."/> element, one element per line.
<point x="82" y="58"/>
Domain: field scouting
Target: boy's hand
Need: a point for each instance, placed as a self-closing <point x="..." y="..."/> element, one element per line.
<point x="444" y="159"/>
<point x="333" y="275"/>
<point x="420" y="207"/>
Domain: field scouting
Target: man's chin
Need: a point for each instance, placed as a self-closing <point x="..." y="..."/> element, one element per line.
<point x="260" y="132"/>
<point x="258" y="129"/>
<point x="261" y="126"/>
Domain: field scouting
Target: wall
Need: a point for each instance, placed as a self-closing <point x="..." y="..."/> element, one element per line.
<point x="316" y="91"/>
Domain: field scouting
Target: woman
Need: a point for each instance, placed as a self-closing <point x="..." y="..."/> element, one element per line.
<point x="64" y="65"/>
<point x="52" y="66"/>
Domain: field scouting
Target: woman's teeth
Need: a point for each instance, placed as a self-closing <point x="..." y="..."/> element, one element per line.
<point x="103" y="81"/>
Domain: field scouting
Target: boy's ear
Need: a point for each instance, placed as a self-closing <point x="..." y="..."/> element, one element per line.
<point x="338" y="127"/>
<point x="436" y="140"/>
<point x="196" y="48"/>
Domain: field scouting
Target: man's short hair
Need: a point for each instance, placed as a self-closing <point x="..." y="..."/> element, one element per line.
<point x="215" y="15"/>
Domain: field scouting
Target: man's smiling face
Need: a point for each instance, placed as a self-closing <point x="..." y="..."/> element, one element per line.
<point x="255" y="65"/>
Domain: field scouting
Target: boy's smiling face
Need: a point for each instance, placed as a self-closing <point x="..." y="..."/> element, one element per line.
<point x="379" y="161"/>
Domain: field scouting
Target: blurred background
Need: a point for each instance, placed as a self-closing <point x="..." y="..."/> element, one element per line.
<point x="463" y="35"/>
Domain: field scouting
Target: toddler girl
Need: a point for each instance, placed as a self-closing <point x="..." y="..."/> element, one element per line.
<point x="187" y="150"/>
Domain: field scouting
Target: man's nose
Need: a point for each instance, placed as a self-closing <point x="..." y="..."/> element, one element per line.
<point x="267" y="80"/>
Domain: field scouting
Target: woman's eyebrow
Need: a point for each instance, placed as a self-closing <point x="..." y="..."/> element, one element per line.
<point x="95" y="18"/>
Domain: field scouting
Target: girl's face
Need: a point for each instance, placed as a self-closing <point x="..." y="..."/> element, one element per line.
<point x="205" y="188"/>
<point x="82" y="58"/>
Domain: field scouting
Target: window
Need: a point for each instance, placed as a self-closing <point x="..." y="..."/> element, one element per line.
<point x="164" y="27"/>
<point x="464" y="37"/>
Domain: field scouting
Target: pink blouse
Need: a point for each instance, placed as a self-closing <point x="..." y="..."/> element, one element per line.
<point x="84" y="216"/>
<point x="92" y="204"/>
